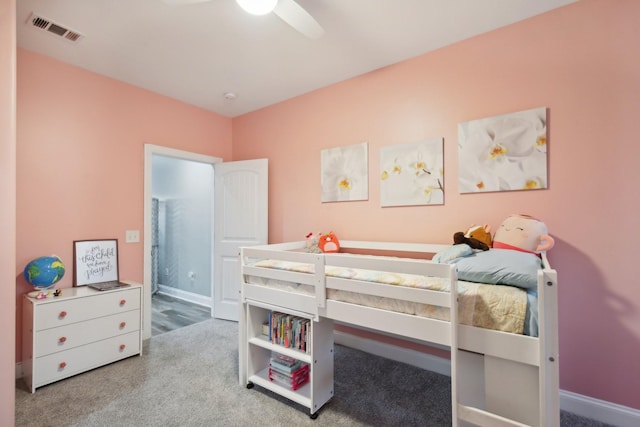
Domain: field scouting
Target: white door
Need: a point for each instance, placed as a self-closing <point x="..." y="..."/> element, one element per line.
<point x="240" y="219"/>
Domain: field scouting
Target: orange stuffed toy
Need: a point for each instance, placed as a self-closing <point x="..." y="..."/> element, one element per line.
<point x="329" y="243"/>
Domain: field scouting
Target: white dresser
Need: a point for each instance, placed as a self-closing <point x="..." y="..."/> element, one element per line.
<point x="79" y="330"/>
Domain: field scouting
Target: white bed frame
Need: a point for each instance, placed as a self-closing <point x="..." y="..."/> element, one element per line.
<point x="497" y="378"/>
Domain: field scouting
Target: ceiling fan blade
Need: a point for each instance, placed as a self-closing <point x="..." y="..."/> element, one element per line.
<point x="181" y="2"/>
<point x="293" y="14"/>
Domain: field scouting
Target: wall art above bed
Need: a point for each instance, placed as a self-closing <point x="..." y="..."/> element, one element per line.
<point x="503" y="153"/>
<point x="412" y="174"/>
<point x="345" y="173"/>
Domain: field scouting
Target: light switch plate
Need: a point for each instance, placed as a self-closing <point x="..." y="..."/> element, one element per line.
<point x="132" y="236"/>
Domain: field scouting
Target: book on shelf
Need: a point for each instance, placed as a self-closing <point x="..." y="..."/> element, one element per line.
<point x="294" y="371"/>
<point x="289" y="331"/>
<point x="282" y="359"/>
<point x="265" y="329"/>
<point x="285" y="364"/>
<point x="286" y="369"/>
<point x="301" y="372"/>
<point x="291" y="380"/>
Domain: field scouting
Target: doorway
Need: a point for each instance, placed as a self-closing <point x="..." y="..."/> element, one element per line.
<point x="177" y="252"/>
<point x="181" y="243"/>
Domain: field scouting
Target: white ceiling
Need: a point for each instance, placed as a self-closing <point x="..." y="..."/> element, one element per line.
<point x="195" y="53"/>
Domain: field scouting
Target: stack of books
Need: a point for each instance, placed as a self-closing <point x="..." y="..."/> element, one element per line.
<point x="287" y="371"/>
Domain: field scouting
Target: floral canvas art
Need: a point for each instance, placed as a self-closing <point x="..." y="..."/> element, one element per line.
<point x="503" y="153"/>
<point x="345" y="173"/>
<point x="412" y="174"/>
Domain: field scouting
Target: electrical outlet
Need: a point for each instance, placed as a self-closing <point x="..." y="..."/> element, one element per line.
<point x="132" y="236"/>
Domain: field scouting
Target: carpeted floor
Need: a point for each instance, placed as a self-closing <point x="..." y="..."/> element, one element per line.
<point x="189" y="377"/>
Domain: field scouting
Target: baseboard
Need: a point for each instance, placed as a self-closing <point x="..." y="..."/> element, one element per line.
<point x="389" y="351"/>
<point x="186" y="296"/>
<point x="584" y="406"/>
<point x="599" y="410"/>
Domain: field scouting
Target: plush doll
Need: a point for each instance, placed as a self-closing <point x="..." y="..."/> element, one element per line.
<point x="329" y="243"/>
<point x="478" y="237"/>
<point x="523" y="233"/>
<point x="312" y="243"/>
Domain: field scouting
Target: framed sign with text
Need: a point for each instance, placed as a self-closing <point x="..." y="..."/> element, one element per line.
<point x="95" y="261"/>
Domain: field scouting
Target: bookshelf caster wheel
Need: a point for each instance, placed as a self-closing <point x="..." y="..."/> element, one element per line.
<point x="313" y="416"/>
<point x="249" y="385"/>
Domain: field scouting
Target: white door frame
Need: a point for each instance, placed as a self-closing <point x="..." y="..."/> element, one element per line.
<point x="149" y="151"/>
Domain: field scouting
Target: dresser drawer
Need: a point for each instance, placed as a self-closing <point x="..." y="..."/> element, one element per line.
<point x="67" y="311"/>
<point x="64" y="364"/>
<point x="63" y="338"/>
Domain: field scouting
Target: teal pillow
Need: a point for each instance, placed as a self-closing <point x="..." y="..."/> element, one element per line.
<point x="501" y="267"/>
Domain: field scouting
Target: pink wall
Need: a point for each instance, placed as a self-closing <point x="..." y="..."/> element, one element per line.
<point x="8" y="205"/>
<point x="580" y="61"/>
<point x="80" y="159"/>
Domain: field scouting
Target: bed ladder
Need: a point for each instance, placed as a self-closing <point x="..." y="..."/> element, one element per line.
<point x="468" y="371"/>
<point x="480" y="373"/>
<point x="479" y="417"/>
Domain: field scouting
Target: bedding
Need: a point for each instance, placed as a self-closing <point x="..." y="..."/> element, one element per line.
<point x="495" y="266"/>
<point x="502" y="308"/>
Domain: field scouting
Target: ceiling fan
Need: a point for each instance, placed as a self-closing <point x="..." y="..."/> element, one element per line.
<point x="287" y="10"/>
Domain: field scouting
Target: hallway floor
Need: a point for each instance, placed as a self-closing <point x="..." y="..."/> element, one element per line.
<point x="169" y="313"/>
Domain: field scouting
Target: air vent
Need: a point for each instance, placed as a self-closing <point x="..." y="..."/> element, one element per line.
<point x="53" y="28"/>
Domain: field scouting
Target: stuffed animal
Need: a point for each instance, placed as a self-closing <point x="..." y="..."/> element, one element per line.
<point x="481" y="233"/>
<point x="329" y="243"/>
<point x="312" y="243"/>
<point x="523" y="233"/>
<point x="478" y="237"/>
<point x="460" y="237"/>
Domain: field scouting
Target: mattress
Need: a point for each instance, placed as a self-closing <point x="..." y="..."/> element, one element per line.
<point x="497" y="307"/>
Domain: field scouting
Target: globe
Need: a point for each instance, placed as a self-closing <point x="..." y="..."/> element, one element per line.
<point x="44" y="272"/>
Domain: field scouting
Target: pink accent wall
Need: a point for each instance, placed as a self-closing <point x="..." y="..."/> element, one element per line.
<point x="582" y="63"/>
<point x="7" y="207"/>
<point x="80" y="160"/>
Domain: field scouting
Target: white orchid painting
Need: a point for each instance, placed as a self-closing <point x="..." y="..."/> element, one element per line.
<point x="345" y="173"/>
<point x="503" y="153"/>
<point x="412" y="174"/>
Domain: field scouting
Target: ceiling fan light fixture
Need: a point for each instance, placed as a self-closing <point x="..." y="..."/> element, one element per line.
<point x="257" y="7"/>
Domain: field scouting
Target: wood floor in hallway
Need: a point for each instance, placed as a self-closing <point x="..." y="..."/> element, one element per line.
<point x="169" y="313"/>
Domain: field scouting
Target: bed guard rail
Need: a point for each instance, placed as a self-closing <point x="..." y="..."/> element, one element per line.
<point x="293" y="252"/>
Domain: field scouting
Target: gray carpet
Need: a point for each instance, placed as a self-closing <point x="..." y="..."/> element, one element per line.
<point x="189" y="377"/>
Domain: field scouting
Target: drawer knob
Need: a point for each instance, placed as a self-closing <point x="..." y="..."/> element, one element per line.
<point x="62" y="365"/>
<point x="122" y="347"/>
<point x="123" y="324"/>
<point x="62" y="340"/>
<point x="123" y="302"/>
<point x="62" y="315"/>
